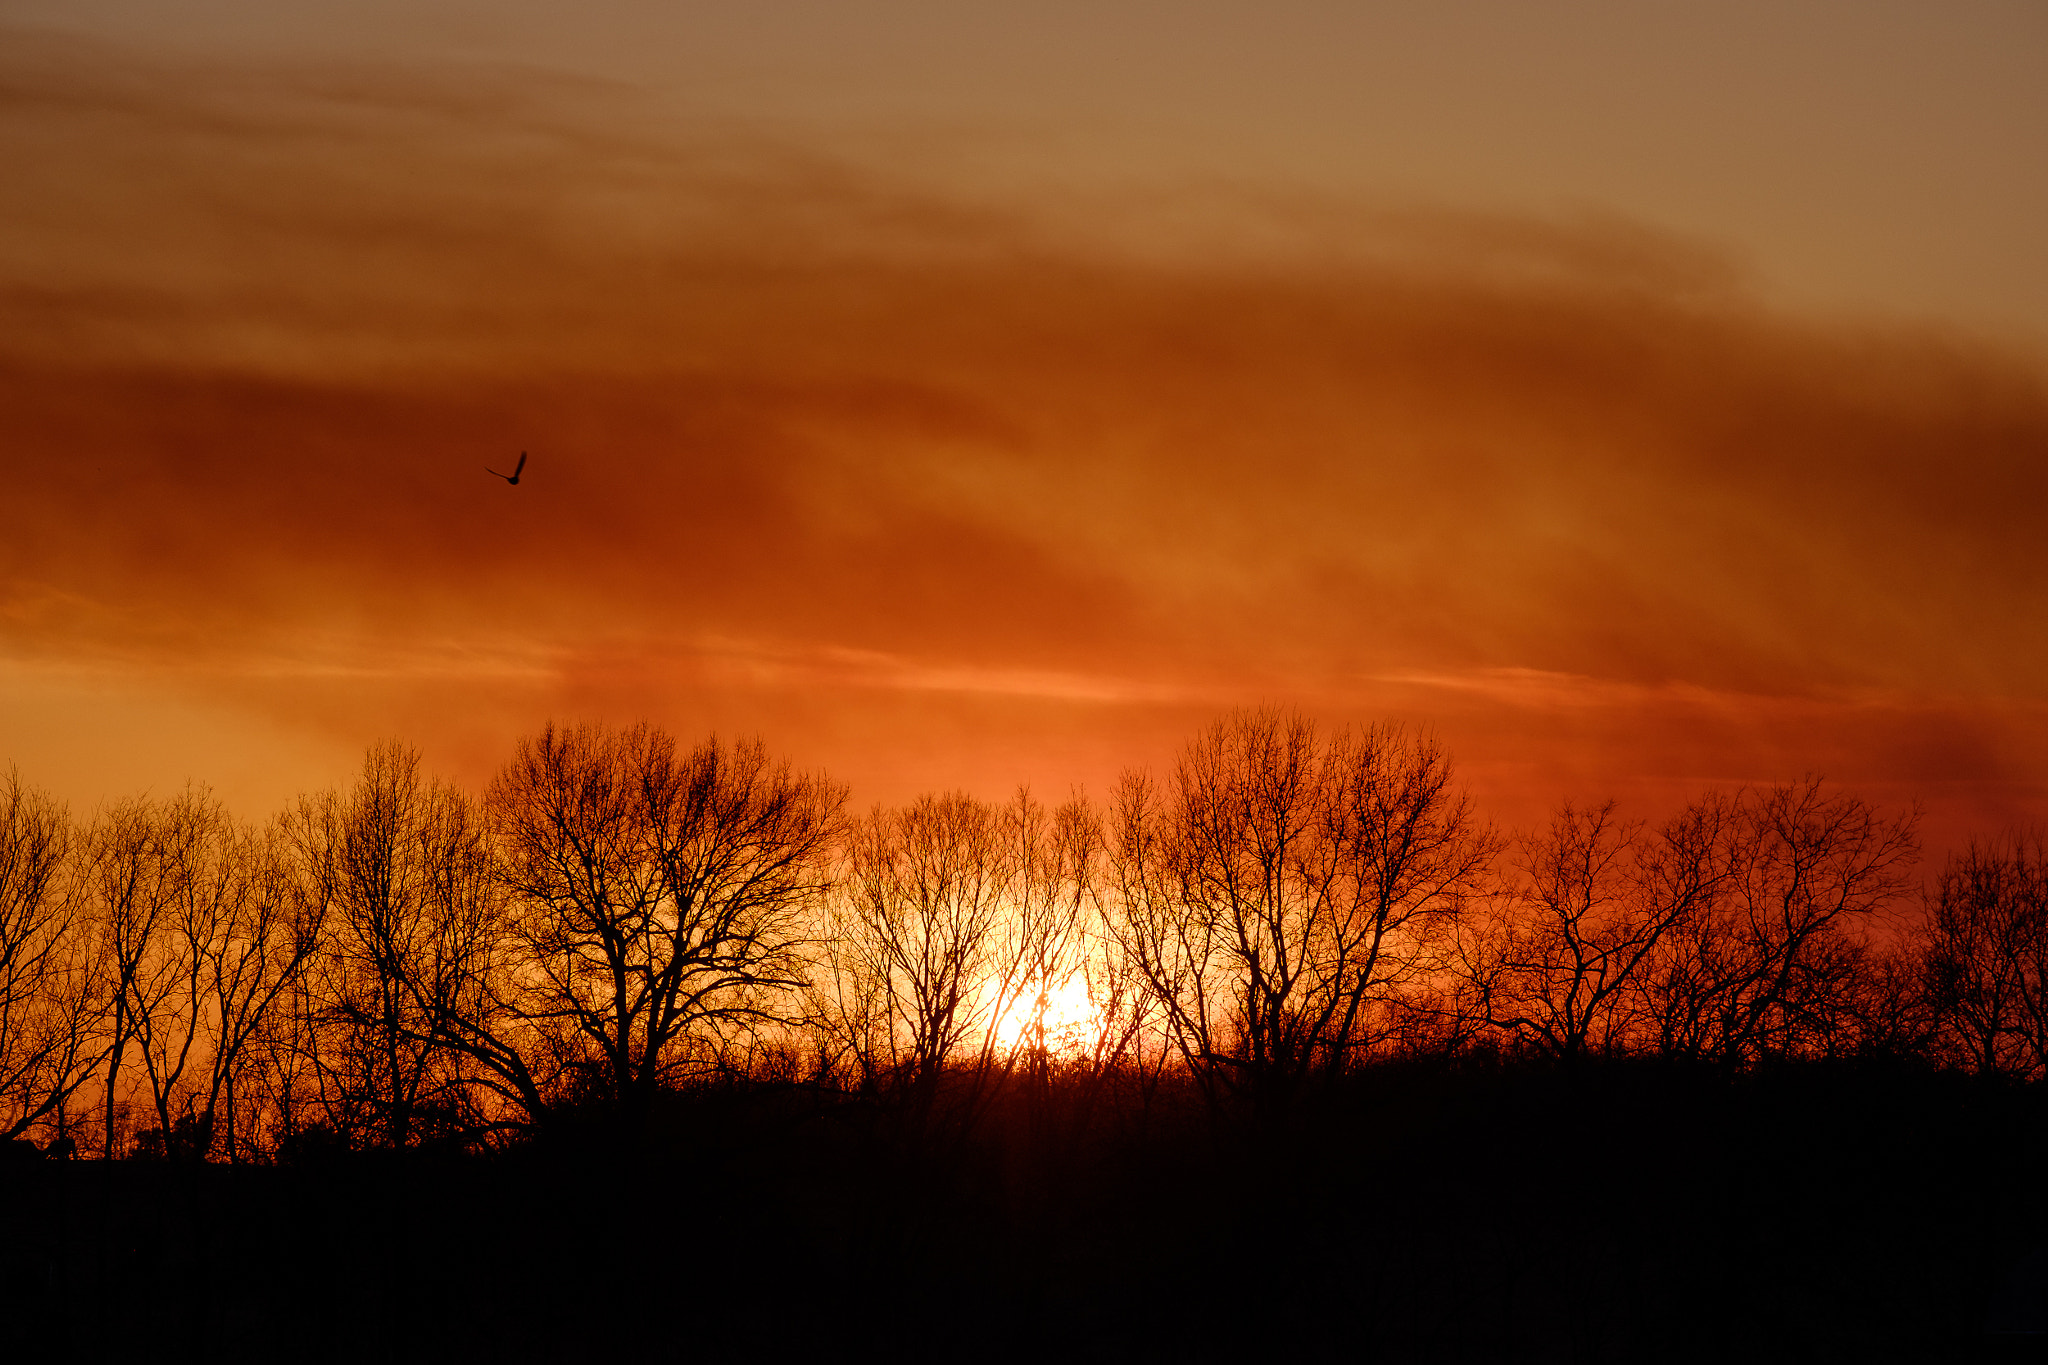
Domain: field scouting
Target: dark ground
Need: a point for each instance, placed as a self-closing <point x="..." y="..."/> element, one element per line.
<point x="1625" y="1213"/>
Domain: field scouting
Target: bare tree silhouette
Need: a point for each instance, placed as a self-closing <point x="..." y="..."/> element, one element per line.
<point x="204" y="878"/>
<point x="254" y="955"/>
<point x="1758" y="968"/>
<point x="50" y="998"/>
<point x="1559" y="961"/>
<point x="1056" y="854"/>
<point x="396" y="963"/>
<point x="657" y="897"/>
<point x="133" y="883"/>
<point x="1284" y="887"/>
<point x="1986" y="939"/>
<point x="926" y="916"/>
<point x="398" y="870"/>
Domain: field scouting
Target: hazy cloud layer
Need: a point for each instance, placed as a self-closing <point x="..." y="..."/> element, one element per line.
<point x="943" y="493"/>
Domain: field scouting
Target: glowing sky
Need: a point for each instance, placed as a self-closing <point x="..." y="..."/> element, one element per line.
<point x="1641" y="395"/>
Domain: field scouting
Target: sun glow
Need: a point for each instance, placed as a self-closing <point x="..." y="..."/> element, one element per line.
<point x="1069" y="1016"/>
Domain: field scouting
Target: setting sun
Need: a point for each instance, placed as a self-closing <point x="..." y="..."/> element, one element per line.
<point x="894" y="679"/>
<point x="1068" y="1017"/>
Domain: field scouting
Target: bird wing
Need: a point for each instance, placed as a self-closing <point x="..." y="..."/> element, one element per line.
<point x="521" y="466"/>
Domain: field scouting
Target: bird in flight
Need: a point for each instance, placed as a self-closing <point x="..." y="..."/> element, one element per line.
<point x="513" y="477"/>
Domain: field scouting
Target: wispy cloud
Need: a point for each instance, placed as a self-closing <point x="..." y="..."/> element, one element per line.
<point x="802" y="429"/>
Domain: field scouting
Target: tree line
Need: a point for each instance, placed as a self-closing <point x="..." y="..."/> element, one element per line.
<point x="397" y="963"/>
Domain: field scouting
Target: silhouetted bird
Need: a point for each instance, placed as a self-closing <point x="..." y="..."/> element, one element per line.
<point x="513" y="477"/>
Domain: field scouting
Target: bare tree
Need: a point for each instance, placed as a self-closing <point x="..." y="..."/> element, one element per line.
<point x="199" y="880"/>
<point x="1283" y="888"/>
<point x="49" y="997"/>
<point x="131" y="884"/>
<point x="232" y="937"/>
<point x="1889" y="1010"/>
<point x="1409" y="853"/>
<point x="957" y="927"/>
<point x="1986" y="946"/>
<point x="1756" y="972"/>
<point x="254" y="956"/>
<point x="657" y="897"/>
<point x="398" y="869"/>
<point x="848" y="1012"/>
<point x="1559" y="962"/>
<point x="1054" y="854"/>
<point x="284" y="1090"/>
<point x="934" y="950"/>
<point x="1174" y="954"/>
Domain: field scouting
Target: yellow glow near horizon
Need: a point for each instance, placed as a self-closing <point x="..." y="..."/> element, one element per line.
<point x="1070" y="1017"/>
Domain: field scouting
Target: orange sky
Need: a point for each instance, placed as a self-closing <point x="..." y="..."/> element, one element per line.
<point x="863" y="417"/>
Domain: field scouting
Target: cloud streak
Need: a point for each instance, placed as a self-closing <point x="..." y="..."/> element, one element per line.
<point x="807" y="438"/>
